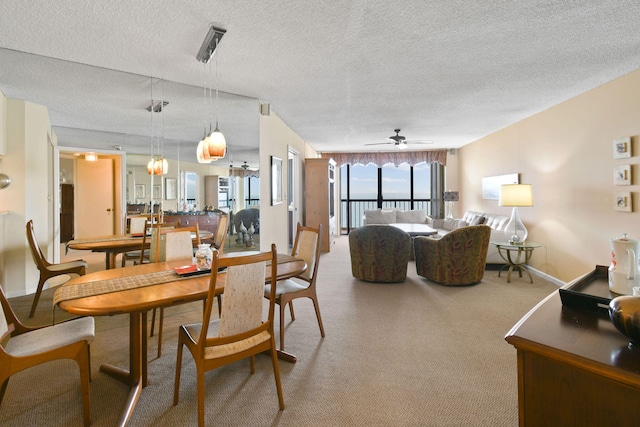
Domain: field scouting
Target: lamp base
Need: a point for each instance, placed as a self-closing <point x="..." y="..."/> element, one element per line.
<point x="515" y="229"/>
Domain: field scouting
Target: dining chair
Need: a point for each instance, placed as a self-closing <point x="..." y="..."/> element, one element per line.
<point x="137" y="225"/>
<point x="221" y="233"/>
<point x="172" y="244"/>
<point x="243" y="330"/>
<point x="47" y="269"/>
<point x="22" y="347"/>
<point x="307" y="247"/>
<point x="150" y="233"/>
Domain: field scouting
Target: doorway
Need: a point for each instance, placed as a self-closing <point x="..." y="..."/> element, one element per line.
<point x="99" y="184"/>
<point x="294" y="191"/>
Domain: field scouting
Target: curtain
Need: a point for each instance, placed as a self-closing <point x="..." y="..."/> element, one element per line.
<point x="383" y="158"/>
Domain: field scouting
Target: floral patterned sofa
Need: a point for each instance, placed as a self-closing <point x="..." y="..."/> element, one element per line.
<point x="379" y="253"/>
<point x="457" y="258"/>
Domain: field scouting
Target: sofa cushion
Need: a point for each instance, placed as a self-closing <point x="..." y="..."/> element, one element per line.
<point x="412" y="217"/>
<point x="477" y="219"/>
<point x="377" y="216"/>
<point x="497" y="222"/>
<point x="451" y="224"/>
<point x="468" y="215"/>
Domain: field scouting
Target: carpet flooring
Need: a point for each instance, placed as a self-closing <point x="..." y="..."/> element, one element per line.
<point x="408" y="354"/>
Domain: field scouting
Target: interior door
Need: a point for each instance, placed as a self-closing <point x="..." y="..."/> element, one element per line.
<point x="94" y="213"/>
<point x="293" y="193"/>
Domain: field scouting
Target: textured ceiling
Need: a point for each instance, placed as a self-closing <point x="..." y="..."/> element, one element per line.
<point x="341" y="74"/>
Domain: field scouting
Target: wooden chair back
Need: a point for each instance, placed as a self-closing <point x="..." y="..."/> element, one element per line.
<point x="176" y="243"/>
<point x="307" y="247"/>
<point x="38" y="256"/>
<point x="151" y="233"/>
<point x="137" y="224"/>
<point x="221" y="233"/>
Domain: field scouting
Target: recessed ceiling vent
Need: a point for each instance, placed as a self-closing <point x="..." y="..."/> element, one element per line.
<point x="211" y="41"/>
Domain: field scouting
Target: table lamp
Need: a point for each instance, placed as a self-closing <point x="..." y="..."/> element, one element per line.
<point x="516" y="195"/>
<point x="449" y="198"/>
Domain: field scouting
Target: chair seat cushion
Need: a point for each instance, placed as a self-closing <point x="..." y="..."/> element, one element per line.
<point x="286" y="286"/>
<point x="226" y="349"/>
<point x="68" y="265"/>
<point x="52" y="337"/>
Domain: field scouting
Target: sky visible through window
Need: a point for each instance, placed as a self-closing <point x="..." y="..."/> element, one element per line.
<point x="396" y="182"/>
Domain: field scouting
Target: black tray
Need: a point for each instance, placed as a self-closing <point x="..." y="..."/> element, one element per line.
<point x="590" y="292"/>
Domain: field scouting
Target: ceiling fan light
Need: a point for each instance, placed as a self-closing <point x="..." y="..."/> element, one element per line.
<point x="402" y="146"/>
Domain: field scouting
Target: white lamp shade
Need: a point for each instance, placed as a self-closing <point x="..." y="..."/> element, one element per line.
<point x="516" y="195"/>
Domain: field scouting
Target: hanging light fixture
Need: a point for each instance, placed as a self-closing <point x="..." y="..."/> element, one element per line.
<point x="157" y="166"/>
<point x="151" y="164"/>
<point x="213" y="146"/>
<point x="161" y="166"/>
<point x="217" y="142"/>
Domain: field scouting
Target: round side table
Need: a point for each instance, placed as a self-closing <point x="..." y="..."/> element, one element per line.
<point x="516" y="257"/>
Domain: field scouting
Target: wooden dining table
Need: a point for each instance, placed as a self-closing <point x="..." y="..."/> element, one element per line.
<point x="113" y="245"/>
<point x="131" y="290"/>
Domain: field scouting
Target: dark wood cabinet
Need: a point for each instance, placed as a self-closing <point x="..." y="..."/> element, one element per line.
<point x="574" y="368"/>
<point x="205" y="220"/>
<point x="66" y="212"/>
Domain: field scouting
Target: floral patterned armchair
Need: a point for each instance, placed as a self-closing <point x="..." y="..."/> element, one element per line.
<point x="457" y="258"/>
<point x="379" y="253"/>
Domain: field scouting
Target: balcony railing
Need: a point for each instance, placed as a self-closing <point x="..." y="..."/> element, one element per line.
<point x="354" y="216"/>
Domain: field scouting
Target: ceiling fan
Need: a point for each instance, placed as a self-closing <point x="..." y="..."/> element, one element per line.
<point x="400" y="141"/>
<point x="245" y="166"/>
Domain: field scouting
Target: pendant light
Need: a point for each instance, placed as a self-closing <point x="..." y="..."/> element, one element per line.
<point x="217" y="142"/>
<point x="151" y="164"/>
<point x="214" y="145"/>
<point x="161" y="165"/>
<point x="157" y="166"/>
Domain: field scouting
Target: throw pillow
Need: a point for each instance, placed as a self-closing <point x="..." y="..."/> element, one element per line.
<point x="389" y="216"/>
<point x="412" y="217"/>
<point x="477" y="220"/>
<point x="373" y="217"/>
<point x="450" y="224"/>
<point x="377" y="216"/>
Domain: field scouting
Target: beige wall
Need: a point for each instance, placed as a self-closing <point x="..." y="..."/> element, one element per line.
<point x="566" y="153"/>
<point x="275" y="138"/>
<point x="28" y="163"/>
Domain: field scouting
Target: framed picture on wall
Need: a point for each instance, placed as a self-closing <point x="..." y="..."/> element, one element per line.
<point x="276" y="180"/>
<point x="622" y="147"/>
<point x="622" y="175"/>
<point x="491" y="185"/>
<point x="170" y="188"/>
<point x="622" y="201"/>
<point x="140" y="191"/>
<point x="157" y="192"/>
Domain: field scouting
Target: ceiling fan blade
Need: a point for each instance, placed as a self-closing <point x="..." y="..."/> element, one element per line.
<point x="380" y="143"/>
